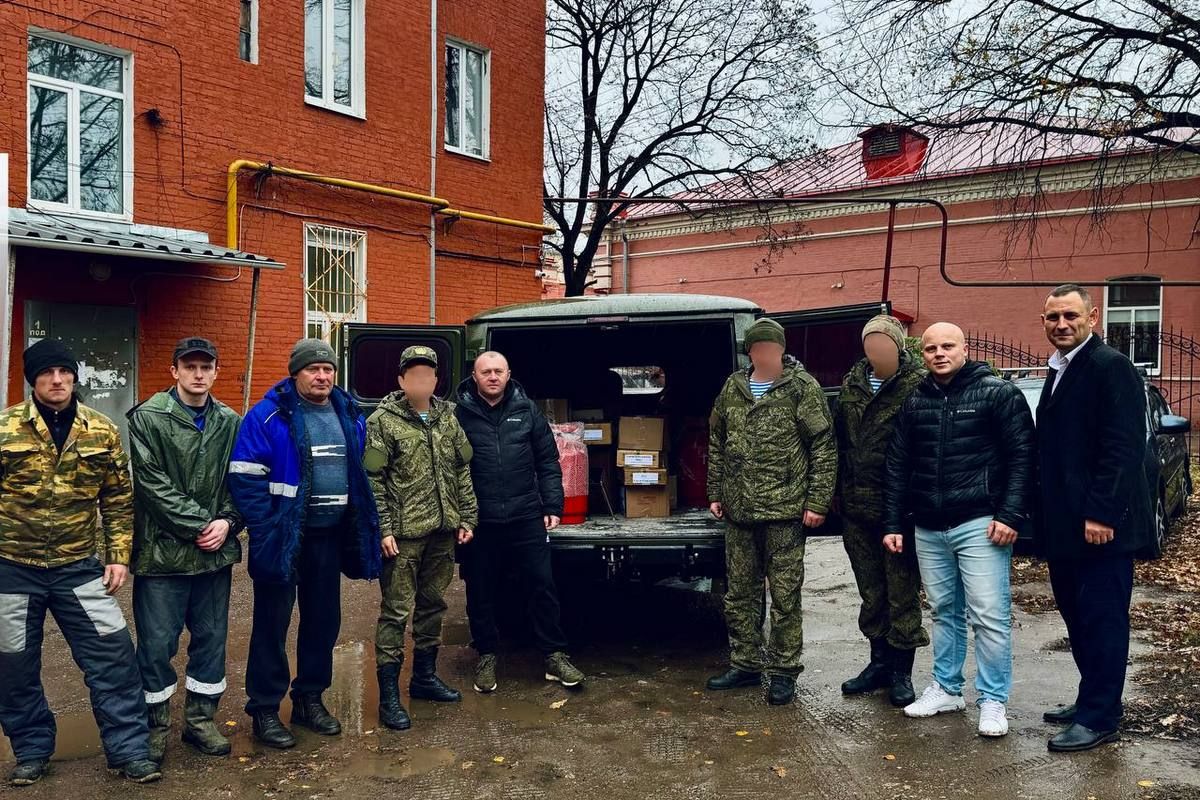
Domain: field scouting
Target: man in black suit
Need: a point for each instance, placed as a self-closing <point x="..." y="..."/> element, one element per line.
<point x="1095" y="509"/>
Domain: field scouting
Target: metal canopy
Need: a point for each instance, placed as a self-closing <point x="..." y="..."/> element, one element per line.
<point x="59" y="234"/>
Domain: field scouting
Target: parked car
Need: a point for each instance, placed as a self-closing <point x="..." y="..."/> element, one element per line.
<point x="1167" y="464"/>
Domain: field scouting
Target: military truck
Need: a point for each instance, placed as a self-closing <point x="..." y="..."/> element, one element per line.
<point x="591" y="351"/>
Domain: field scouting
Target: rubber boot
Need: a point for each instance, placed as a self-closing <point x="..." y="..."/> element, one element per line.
<point x="158" y="715"/>
<point x="425" y="684"/>
<point x="391" y="710"/>
<point x="199" y="730"/>
<point x="876" y="675"/>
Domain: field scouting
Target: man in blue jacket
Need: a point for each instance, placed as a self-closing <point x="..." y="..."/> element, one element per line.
<point x="297" y="478"/>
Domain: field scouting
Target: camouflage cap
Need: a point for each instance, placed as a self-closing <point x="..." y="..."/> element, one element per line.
<point x="418" y="354"/>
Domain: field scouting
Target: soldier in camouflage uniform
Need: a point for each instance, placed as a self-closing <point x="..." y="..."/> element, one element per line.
<point x="60" y="463"/>
<point x="418" y="460"/>
<point x="771" y="473"/>
<point x="889" y="583"/>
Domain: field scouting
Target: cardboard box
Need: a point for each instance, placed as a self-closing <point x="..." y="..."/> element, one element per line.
<point x="636" y="476"/>
<point x="555" y="409"/>
<point x="638" y="458"/>
<point x="640" y="433"/>
<point x="647" y="501"/>
<point x="597" y="433"/>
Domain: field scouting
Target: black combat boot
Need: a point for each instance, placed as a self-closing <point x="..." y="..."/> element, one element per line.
<point x="271" y="731"/>
<point x="425" y="684"/>
<point x="391" y="710"/>
<point x="734" y="678"/>
<point x="199" y="730"/>
<point x="876" y="675"/>
<point x="782" y="690"/>
<point x="309" y="711"/>
<point x="158" y="715"/>
<point x="901" y="693"/>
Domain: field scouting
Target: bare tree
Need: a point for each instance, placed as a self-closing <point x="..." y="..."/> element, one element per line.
<point x="650" y="97"/>
<point x="1124" y="71"/>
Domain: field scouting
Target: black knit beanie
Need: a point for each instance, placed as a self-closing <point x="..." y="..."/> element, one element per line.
<point x="46" y="353"/>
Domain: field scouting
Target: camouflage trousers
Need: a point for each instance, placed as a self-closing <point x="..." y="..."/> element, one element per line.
<point x="889" y="584"/>
<point x="414" y="584"/>
<point x="772" y="552"/>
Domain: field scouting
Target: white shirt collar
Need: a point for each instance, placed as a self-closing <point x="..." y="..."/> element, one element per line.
<point x="1059" y="362"/>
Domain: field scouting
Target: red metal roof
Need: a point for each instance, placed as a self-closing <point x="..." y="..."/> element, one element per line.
<point x="978" y="149"/>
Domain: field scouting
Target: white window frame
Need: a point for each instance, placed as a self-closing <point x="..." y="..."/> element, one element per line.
<point x="72" y="206"/>
<point x="1132" y="311"/>
<point x="323" y="233"/>
<point x="485" y="134"/>
<point x="253" y="32"/>
<point x="357" y="107"/>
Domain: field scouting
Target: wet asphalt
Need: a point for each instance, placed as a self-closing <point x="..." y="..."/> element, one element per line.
<point x="643" y="727"/>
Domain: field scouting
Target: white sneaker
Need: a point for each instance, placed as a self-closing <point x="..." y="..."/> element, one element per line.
<point x="935" y="700"/>
<point x="992" y="719"/>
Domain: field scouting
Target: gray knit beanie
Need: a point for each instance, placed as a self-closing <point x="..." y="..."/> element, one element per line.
<point x="310" y="351"/>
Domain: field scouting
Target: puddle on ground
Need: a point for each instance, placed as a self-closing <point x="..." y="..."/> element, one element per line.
<point x="407" y="764"/>
<point x="78" y="737"/>
<point x="353" y="699"/>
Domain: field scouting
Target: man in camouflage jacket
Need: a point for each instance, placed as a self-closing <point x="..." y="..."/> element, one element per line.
<point x="418" y="461"/>
<point x="60" y="463"/>
<point x="771" y="474"/>
<point x="890" y="617"/>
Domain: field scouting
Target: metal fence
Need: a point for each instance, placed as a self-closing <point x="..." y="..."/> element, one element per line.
<point x="1173" y="365"/>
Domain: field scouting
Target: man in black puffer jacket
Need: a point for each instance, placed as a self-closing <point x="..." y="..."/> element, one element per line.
<point x="960" y="469"/>
<point x="518" y="483"/>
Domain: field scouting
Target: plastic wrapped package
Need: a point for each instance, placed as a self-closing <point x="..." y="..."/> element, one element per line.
<point x="573" y="458"/>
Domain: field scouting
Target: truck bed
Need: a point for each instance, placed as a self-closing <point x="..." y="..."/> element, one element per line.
<point x="690" y="527"/>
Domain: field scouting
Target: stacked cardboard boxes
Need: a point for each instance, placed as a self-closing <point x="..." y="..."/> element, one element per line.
<point x="640" y="455"/>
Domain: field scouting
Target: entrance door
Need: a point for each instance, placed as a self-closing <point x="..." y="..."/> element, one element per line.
<point x="104" y="339"/>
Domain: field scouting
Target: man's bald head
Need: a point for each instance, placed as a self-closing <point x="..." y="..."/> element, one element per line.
<point x="941" y="330"/>
<point x="491" y="374"/>
<point x="491" y="357"/>
<point x="944" y="349"/>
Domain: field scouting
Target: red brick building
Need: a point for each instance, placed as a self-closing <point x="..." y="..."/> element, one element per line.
<point x="127" y="231"/>
<point x="1020" y="208"/>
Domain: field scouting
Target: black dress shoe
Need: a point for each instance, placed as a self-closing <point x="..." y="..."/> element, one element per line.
<point x="734" y="678"/>
<point x="1080" y="737"/>
<point x="1063" y="715"/>
<point x="271" y="731"/>
<point x="30" y="772"/>
<point x="309" y="711"/>
<point x="782" y="690"/>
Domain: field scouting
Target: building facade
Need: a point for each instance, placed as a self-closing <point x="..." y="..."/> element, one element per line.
<point x="1021" y="208"/>
<point x="273" y="170"/>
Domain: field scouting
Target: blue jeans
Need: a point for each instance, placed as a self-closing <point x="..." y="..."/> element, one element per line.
<point x="966" y="576"/>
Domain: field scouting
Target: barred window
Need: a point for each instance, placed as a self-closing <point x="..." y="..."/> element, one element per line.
<point x="335" y="280"/>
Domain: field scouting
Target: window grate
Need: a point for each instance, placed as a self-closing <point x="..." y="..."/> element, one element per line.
<point x="335" y="286"/>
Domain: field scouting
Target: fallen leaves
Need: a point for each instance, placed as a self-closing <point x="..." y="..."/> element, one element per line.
<point x="889" y="757"/>
<point x="497" y="759"/>
<point x="741" y="733"/>
<point x="557" y="704"/>
<point x="780" y="771"/>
